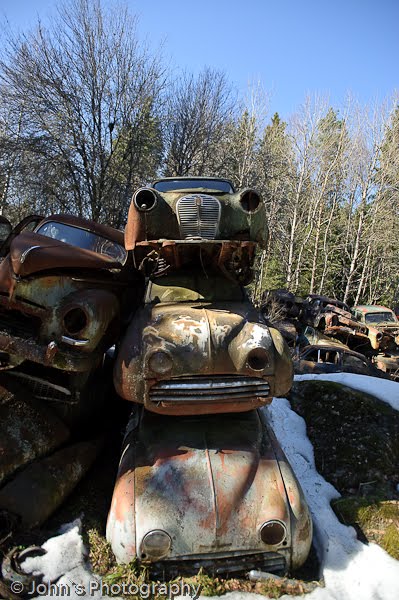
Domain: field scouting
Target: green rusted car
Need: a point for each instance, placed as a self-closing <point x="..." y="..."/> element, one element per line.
<point x="198" y="345"/>
<point x="184" y="220"/>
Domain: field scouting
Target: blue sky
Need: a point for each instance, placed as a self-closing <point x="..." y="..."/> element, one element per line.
<point x="293" y="48"/>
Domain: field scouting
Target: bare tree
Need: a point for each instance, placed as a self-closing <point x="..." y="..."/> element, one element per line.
<point x="80" y="84"/>
<point x="199" y="110"/>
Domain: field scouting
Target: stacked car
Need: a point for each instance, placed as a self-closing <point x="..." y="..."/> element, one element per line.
<point x="367" y="336"/>
<point x="65" y="290"/>
<point x="202" y="481"/>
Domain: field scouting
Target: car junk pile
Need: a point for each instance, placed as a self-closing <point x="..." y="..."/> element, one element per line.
<point x="202" y="481"/>
<point x="327" y="336"/>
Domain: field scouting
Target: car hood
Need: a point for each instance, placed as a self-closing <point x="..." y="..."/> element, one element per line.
<point x="209" y="482"/>
<point x="206" y="338"/>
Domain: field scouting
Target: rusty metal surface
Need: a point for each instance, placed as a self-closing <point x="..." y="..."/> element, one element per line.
<point x="210" y="483"/>
<point x="232" y="259"/>
<point x="39" y="489"/>
<point x="46" y="354"/>
<point x="31" y="253"/>
<point x="61" y="286"/>
<point x="329" y="358"/>
<point x="28" y="428"/>
<point x="389" y="329"/>
<point x="201" y="340"/>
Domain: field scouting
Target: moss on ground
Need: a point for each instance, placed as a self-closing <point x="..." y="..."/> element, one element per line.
<point x="378" y="520"/>
<point x="355" y="438"/>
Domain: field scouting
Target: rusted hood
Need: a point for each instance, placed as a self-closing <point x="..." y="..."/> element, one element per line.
<point x="31" y="253"/>
<point x="199" y="339"/>
<point x="210" y="483"/>
<point x="203" y="336"/>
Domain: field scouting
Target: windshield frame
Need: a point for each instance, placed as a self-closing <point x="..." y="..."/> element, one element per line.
<point x="92" y="235"/>
<point x="219" y="186"/>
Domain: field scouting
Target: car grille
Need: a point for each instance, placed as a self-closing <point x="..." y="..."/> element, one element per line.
<point x="209" y="389"/>
<point x="198" y="216"/>
<point x="43" y="389"/>
<point x="236" y="565"/>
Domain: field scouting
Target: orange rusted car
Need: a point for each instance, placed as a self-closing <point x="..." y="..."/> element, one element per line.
<point x="213" y="492"/>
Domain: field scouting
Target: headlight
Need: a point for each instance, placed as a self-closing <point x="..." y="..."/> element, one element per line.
<point x="258" y="359"/>
<point x="155" y="545"/>
<point x="145" y="199"/>
<point x="160" y="362"/>
<point x="75" y="320"/>
<point x="273" y="532"/>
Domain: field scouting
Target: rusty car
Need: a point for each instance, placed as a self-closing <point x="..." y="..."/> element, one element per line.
<point x="326" y="357"/>
<point x="387" y="324"/>
<point x="282" y="302"/>
<point x="195" y="208"/>
<point x="198" y="345"/>
<point x="181" y="220"/>
<point x="214" y="492"/>
<point x="335" y="319"/>
<point x="65" y="289"/>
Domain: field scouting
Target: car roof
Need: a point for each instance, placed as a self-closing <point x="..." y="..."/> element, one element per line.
<point x="370" y="308"/>
<point x="326" y="299"/>
<point x="190" y="178"/>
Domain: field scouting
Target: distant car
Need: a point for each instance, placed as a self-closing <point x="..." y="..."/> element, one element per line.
<point x="377" y="315"/>
<point x="281" y="302"/>
<point x="322" y="311"/>
<point x="335" y="318"/>
<point x="312" y="336"/>
<point x="324" y="358"/>
<point x="384" y="320"/>
<point x="210" y="492"/>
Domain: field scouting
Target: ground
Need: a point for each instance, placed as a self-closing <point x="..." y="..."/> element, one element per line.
<point x="355" y="439"/>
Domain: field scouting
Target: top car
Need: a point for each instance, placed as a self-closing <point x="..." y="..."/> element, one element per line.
<point x="195" y="208"/>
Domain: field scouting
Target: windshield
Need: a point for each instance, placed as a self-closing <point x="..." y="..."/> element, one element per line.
<point x="192" y="288"/>
<point x="380" y="317"/>
<point x="83" y="239"/>
<point x="218" y="185"/>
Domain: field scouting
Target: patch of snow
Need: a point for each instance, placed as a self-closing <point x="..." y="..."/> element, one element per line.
<point x="384" y="389"/>
<point x="65" y="564"/>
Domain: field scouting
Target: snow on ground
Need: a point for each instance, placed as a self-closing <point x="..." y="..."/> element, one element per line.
<point x="64" y="567"/>
<point x="351" y="570"/>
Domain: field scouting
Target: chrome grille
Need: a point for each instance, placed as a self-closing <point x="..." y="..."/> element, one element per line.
<point x="198" y="216"/>
<point x="209" y="389"/>
<point x="214" y="564"/>
<point x="43" y="389"/>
